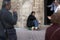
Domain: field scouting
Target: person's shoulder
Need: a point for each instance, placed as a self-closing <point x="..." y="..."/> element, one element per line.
<point x="3" y="10"/>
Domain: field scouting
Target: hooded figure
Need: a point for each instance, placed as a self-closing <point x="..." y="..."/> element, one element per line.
<point x="7" y="22"/>
<point x="53" y="32"/>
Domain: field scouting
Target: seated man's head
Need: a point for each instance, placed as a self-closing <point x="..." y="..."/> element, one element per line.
<point x="33" y="13"/>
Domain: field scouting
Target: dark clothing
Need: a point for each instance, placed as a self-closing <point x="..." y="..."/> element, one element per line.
<point x="7" y="23"/>
<point x="50" y="31"/>
<point x="30" y="20"/>
<point x="11" y="34"/>
<point x="2" y="33"/>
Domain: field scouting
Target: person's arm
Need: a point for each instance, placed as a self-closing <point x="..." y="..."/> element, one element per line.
<point x="50" y="5"/>
<point x="57" y="9"/>
<point x="14" y="17"/>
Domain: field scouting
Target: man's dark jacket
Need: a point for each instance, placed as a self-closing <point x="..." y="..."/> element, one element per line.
<point x="7" y="22"/>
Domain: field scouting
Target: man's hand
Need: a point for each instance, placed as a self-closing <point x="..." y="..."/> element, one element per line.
<point x="49" y="17"/>
<point x="14" y="10"/>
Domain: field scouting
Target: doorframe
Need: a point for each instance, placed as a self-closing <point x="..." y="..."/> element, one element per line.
<point x="45" y="12"/>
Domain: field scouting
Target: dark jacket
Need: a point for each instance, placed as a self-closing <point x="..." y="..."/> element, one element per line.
<point x="7" y="22"/>
<point x="30" y="21"/>
<point x="7" y="18"/>
<point x="51" y="31"/>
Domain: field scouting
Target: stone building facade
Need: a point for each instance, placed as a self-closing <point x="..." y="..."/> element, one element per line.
<point x="25" y="7"/>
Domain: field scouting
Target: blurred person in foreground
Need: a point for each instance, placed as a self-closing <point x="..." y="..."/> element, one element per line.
<point x="53" y="32"/>
<point x="7" y="22"/>
<point x="32" y="22"/>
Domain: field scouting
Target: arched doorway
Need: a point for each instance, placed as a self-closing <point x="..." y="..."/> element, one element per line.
<point x="47" y="11"/>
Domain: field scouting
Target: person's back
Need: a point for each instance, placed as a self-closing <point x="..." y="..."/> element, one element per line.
<point x="50" y="32"/>
<point x="53" y="32"/>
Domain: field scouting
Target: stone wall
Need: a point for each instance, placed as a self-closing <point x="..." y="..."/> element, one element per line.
<point x="39" y="9"/>
<point x="24" y="8"/>
<point x="1" y="3"/>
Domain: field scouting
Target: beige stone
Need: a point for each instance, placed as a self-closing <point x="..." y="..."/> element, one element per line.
<point x="24" y="8"/>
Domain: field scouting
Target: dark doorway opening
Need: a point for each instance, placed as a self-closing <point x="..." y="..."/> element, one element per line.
<point x="47" y="11"/>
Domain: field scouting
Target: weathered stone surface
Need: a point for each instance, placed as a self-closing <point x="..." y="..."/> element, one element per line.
<point x="24" y="11"/>
<point x="39" y="9"/>
<point x="24" y="8"/>
<point x="1" y="3"/>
